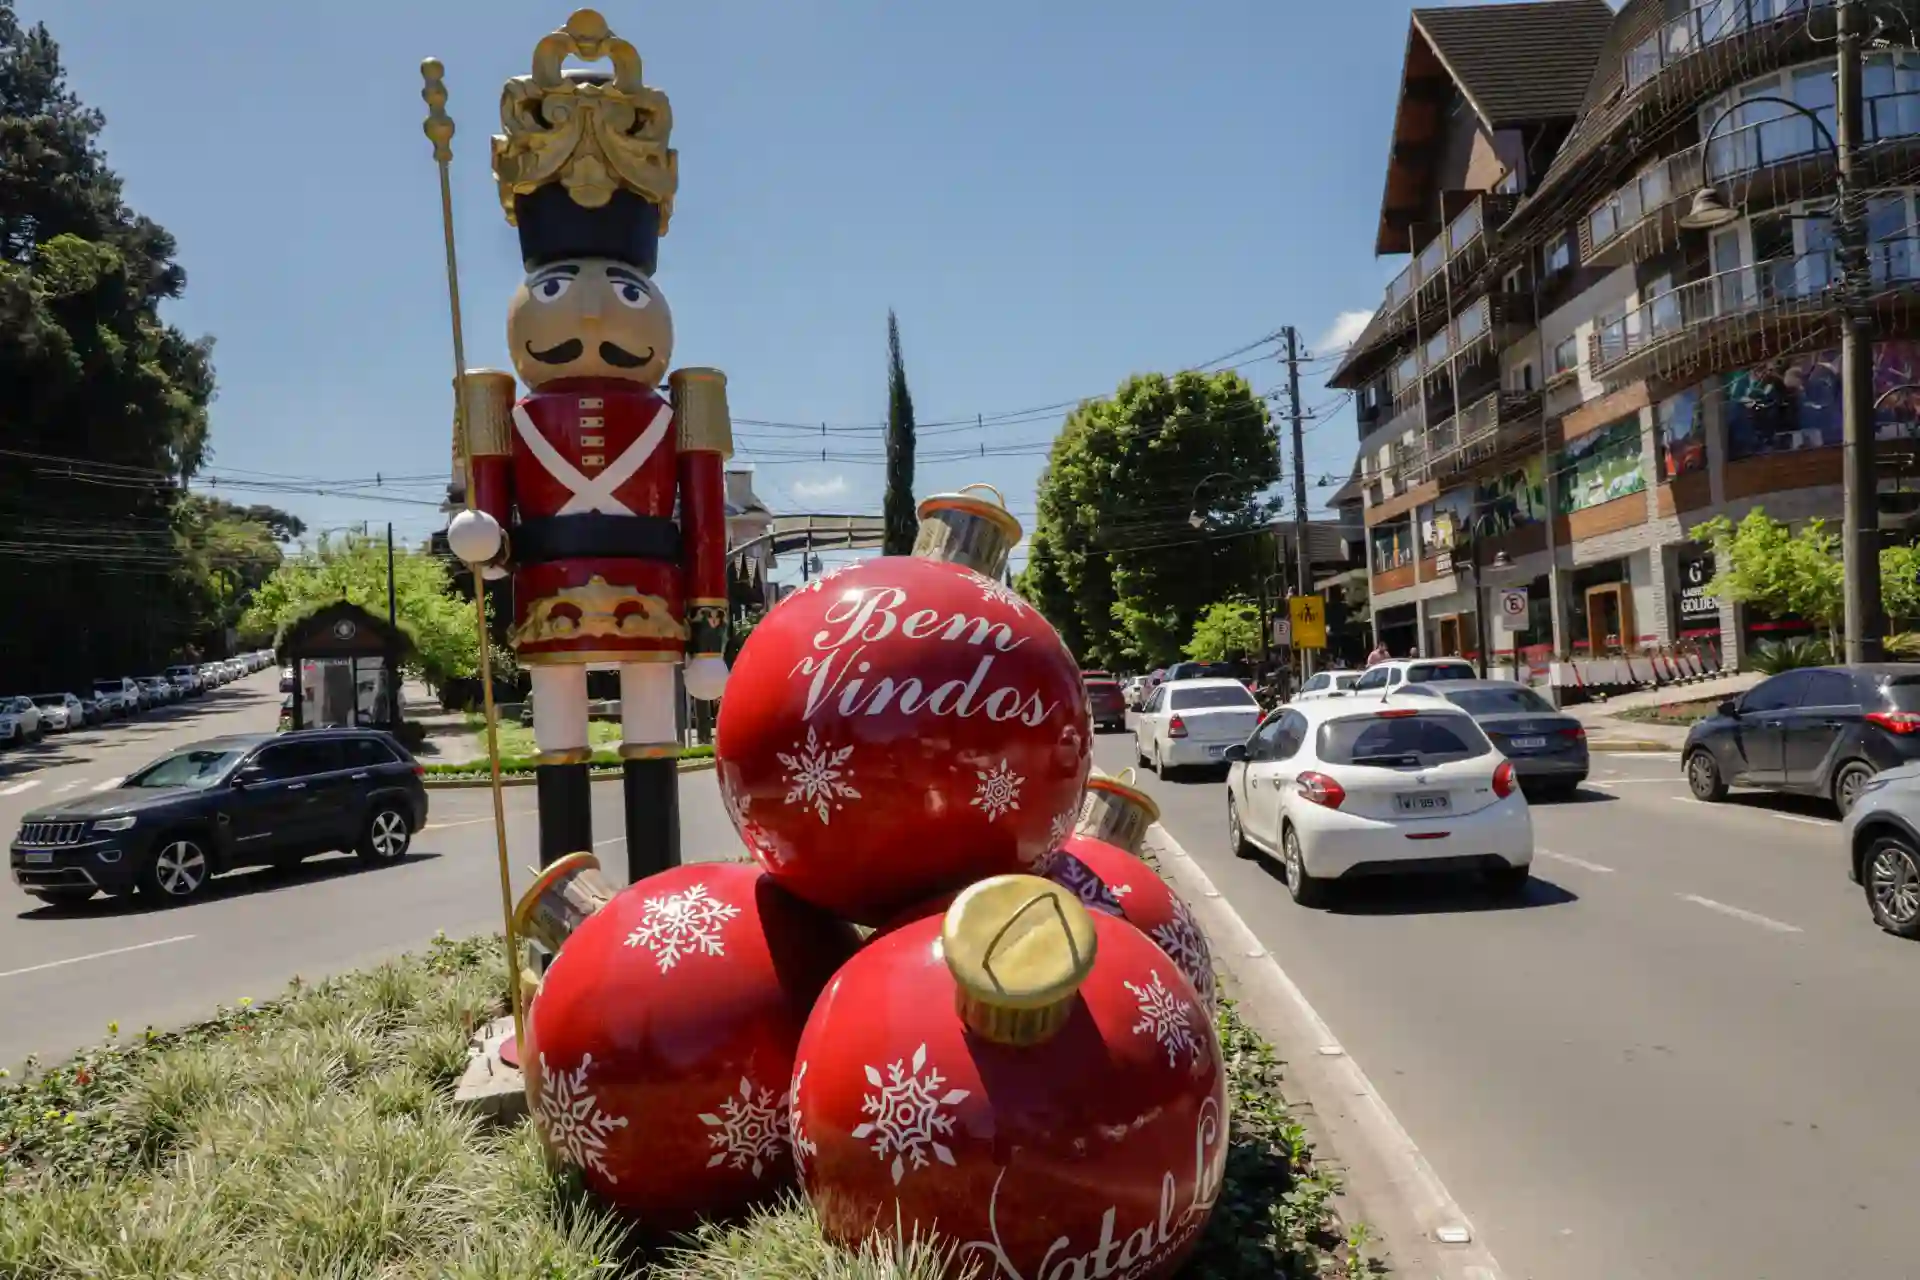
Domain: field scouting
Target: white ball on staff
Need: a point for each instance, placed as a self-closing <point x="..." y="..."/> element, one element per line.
<point x="474" y="536"/>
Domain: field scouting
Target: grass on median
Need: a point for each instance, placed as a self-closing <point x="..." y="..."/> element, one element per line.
<point x="516" y="739"/>
<point x="526" y="764"/>
<point x="313" y="1136"/>
<point x="1683" y="714"/>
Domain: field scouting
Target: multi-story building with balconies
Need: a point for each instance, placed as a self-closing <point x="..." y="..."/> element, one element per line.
<point x="1565" y="381"/>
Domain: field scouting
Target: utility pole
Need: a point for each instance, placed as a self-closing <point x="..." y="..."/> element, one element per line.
<point x="1860" y="523"/>
<point x="1303" y="571"/>
<point x="393" y="670"/>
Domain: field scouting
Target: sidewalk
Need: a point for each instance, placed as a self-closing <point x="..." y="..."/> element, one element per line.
<point x="1607" y="732"/>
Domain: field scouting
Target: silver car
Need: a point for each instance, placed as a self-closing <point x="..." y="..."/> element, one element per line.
<point x="1882" y="840"/>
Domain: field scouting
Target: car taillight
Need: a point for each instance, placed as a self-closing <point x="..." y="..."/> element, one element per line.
<point x="1900" y="722"/>
<point x="1176" y="728"/>
<point x="1400" y="714"/>
<point x="1578" y="733"/>
<point x="419" y="770"/>
<point x="1503" y="779"/>
<point x="1321" y="790"/>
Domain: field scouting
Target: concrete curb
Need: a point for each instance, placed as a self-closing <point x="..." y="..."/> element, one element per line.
<point x="527" y="779"/>
<point x="1388" y="1180"/>
<point x="1632" y="745"/>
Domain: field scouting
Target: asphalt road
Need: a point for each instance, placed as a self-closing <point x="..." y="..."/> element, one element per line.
<point x="64" y="975"/>
<point x="1687" y="1053"/>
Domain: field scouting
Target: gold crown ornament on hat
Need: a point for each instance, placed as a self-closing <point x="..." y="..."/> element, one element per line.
<point x="594" y="134"/>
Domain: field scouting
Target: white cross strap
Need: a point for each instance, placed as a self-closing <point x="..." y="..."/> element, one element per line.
<point x="593" y="493"/>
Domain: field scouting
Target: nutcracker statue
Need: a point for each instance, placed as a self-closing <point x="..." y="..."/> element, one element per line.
<point x="603" y="500"/>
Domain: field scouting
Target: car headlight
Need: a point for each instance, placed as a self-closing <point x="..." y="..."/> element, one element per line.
<point x="123" y="823"/>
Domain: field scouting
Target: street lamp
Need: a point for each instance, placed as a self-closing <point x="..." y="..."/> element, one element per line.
<point x="1194" y="516"/>
<point x="1860" y="518"/>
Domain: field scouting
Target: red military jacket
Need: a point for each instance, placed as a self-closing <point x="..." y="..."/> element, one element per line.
<point x="588" y="501"/>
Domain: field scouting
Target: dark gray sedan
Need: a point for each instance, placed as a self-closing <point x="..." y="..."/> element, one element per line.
<point x="1548" y="747"/>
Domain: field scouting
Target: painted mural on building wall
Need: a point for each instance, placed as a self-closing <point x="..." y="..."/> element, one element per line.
<point x="1793" y="403"/>
<point x="1392" y="547"/>
<point x="1682" y="434"/>
<point x="1444" y="521"/>
<point x="1512" y="499"/>
<point x="1600" y="467"/>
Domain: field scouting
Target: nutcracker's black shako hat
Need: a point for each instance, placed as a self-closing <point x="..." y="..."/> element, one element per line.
<point x="584" y="168"/>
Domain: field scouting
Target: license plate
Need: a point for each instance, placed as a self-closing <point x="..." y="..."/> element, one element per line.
<point x="1528" y="744"/>
<point x="1217" y="751"/>
<point x="1422" y="803"/>
<point x="39" y="859"/>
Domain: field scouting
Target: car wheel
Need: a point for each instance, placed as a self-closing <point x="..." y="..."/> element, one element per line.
<point x="1847" y="784"/>
<point x="65" y="897"/>
<point x="386" y="836"/>
<point x="1509" y="882"/>
<point x="1308" y="891"/>
<point x="177" y="871"/>
<point x="1703" y="777"/>
<point x="1891" y="874"/>
<point x="1236" y="836"/>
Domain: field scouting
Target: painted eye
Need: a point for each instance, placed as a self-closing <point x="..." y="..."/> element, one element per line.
<point x="552" y="288"/>
<point x="632" y="295"/>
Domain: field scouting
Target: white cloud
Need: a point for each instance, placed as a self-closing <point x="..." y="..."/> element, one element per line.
<point x="1346" y="327"/>
<point x="827" y="487"/>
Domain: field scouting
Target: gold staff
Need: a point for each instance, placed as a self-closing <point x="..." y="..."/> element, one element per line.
<point x="439" y="130"/>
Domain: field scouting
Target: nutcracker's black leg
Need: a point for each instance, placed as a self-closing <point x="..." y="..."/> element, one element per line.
<point x="653" y="816"/>
<point x="566" y="811"/>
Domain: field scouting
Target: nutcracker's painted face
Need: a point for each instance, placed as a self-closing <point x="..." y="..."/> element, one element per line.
<point x="589" y="318"/>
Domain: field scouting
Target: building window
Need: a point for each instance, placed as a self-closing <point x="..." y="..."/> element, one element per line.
<point x="1566" y="356"/>
<point x="1509" y="184"/>
<point x="1522" y="377"/>
<point x="1515" y="281"/>
<point x="1558" y="255"/>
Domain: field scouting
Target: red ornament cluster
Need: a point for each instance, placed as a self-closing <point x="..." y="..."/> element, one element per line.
<point x="904" y="743"/>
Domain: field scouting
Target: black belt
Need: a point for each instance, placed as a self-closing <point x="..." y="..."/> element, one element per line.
<point x="593" y="535"/>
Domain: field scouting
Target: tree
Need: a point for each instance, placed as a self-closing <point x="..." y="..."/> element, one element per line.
<point x="1227" y="630"/>
<point x="902" y="524"/>
<point x="1116" y="563"/>
<point x="439" y="622"/>
<point x="1763" y="562"/>
<point x="102" y="567"/>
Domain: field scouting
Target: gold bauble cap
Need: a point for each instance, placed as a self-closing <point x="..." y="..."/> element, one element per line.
<point x="1117" y="812"/>
<point x="561" y="897"/>
<point x="1019" y="948"/>
<point x="968" y="530"/>
<point x="1121" y="787"/>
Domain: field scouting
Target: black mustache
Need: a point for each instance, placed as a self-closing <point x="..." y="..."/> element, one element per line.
<point x="621" y="358"/>
<point x="565" y="353"/>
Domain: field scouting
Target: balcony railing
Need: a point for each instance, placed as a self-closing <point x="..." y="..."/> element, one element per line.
<point x="1464" y="229"/>
<point x="1798" y="282"/>
<point x="1704" y="26"/>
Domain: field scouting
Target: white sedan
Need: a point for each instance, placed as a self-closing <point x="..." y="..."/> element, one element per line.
<point x="1342" y="789"/>
<point x="1193" y="722"/>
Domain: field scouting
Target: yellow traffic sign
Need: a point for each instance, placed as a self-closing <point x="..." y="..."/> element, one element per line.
<point x="1309" y="617"/>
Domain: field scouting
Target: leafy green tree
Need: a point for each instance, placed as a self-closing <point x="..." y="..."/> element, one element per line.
<point x="1761" y="561"/>
<point x="1227" y="630"/>
<point x="440" y="623"/>
<point x="1115" y="562"/>
<point x="902" y="525"/>
<point x="101" y="569"/>
<point x="1900" y="585"/>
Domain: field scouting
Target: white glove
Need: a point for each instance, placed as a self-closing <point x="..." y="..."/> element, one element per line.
<point x="706" y="677"/>
<point x="475" y="537"/>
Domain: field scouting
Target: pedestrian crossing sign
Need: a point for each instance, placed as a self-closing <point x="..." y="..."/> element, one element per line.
<point x="1309" y="617"/>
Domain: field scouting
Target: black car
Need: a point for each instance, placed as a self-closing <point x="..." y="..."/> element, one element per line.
<point x="1548" y="748"/>
<point x="243" y="801"/>
<point x="1818" y="731"/>
<point x="1201" y="671"/>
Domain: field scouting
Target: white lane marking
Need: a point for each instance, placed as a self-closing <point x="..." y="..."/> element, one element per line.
<point x="1573" y="861"/>
<point x="610" y="840"/>
<point x="67" y="786"/>
<point x="108" y="785"/>
<point x="99" y="955"/>
<point x="1762" y="813"/>
<point x="18" y="787"/>
<point x="461" y="822"/>
<point x="1634" y="782"/>
<point x="1811" y="822"/>
<point x="1740" y="913"/>
<point x="1375" y="1131"/>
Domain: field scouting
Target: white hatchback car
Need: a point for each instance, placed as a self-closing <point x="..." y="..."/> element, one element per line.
<point x="1345" y="788"/>
<point x="1193" y="722"/>
<point x="1328" y="684"/>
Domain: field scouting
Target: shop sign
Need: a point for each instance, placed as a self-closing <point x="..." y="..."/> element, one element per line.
<point x="1695" y="604"/>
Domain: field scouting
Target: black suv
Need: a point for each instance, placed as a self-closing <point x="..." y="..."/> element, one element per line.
<point x="244" y="801"/>
<point x="1819" y="731"/>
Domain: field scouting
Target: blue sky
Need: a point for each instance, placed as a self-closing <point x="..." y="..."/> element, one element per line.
<point x="1052" y="196"/>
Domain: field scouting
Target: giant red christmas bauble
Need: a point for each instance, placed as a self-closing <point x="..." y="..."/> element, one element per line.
<point x="660" y="1045"/>
<point x="1037" y="1083"/>
<point x="898" y="729"/>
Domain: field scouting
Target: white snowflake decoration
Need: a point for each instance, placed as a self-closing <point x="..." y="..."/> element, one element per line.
<point x="752" y="1130"/>
<point x="1186" y="946"/>
<point x="908" y="1117"/>
<point x="1070" y="872"/>
<point x="677" y="925"/>
<point x="1061" y="828"/>
<point x="993" y="589"/>
<point x="575" y="1126"/>
<point x="1120" y="890"/>
<point x="804" y="1148"/>
<point x="1167" y="1018"/>
<point x="818" y="777"/>
<point x="999" y="790"/>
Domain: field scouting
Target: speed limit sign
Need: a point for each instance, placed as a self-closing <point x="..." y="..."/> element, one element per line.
<point x="1513" y="609"/>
